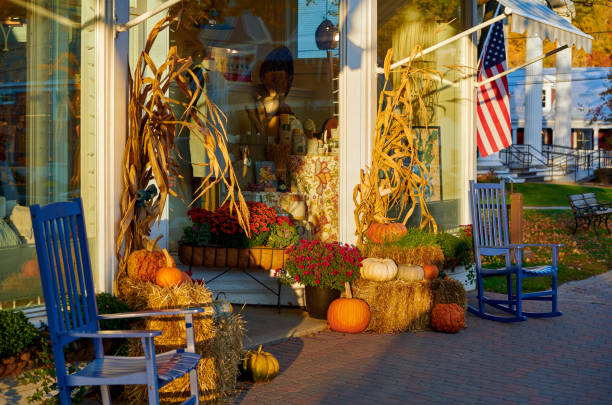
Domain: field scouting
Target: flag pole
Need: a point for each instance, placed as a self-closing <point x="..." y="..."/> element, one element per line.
<point x="522" y="65"/>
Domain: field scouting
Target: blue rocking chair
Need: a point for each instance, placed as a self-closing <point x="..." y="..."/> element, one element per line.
<point x="490" y="222"/>
<point x="65" y="271"/>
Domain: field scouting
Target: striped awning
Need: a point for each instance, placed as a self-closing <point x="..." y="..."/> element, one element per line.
<point x="534" y="17"/>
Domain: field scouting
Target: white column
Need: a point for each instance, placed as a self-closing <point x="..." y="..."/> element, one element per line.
<point x="358" y="99"/>
<point x="533" y="95"/>
<point x="563" y="99"/>
<point x="112" y="91"/>
<point x="596" y="137"/>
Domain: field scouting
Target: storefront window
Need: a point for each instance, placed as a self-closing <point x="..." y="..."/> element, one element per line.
<point x="47" y="133"/>
<point x="404" y="25"/>
<point x="272" y="68"/>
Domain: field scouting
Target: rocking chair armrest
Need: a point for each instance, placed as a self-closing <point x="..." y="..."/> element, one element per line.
<point x="159" y="312"/>
<point x="103" y="334"/>
<point x="523" y="245"/>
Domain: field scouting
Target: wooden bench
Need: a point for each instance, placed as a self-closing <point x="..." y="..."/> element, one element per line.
<point x="588" y="209"/>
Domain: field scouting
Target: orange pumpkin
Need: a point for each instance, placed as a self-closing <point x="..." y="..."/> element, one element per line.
<point x="143" y="264"/>
<point x="169" y="276"/>
<point x="30" y="268"/>
<point x="431" y="271"/>
<point x="186" y="278"/>
<point x="379" y="233"/>
<point x="349" y="315"/>
<point x="449" y="318"/>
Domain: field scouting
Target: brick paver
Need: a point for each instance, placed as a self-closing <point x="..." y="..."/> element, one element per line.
<point x="565" y="360"/>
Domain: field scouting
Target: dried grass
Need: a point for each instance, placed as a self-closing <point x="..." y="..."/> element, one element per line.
<point x="420" y="255"/>
<point x="399" y="306"/>
<point x="219" y="342"/>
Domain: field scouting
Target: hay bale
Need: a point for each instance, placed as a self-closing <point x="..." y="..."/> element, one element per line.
<point x="398" y="306"/>
<point x="420" y="255"/>
<point x="218" y="342"/>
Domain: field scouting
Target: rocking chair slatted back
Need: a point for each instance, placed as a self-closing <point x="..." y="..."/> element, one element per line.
<point x="65" y="269"/>
<point x="490" y="217"/>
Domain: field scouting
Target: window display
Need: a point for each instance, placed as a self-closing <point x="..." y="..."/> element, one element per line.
<point x="280" y="102"/>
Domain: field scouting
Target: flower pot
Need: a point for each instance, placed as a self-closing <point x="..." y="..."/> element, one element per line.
<point x="318" y="300"/>
<point x="210" y="253"/>
<point x="461" y="274"/>
<point x="232" y="257"/>
<point x="221" y="257"/>
<point x="243" y="258"/>
<point x="191" y="255"/>
<point x="278" y="259"/>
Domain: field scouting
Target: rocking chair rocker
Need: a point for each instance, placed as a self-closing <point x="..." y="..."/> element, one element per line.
<point x="65" y="271"/>
<point x="490" y="222"/>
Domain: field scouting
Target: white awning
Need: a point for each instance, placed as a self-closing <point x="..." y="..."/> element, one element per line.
<point x="534" y="17"/>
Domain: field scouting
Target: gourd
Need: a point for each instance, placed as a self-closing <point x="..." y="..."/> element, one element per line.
<point x="431" y="271"/>
<point x="222" y="308"/>
<point x="30" y="268"/>
<point x="143" y="264"/>
<point x="378" y="269"/>
<point x="449" y="318"/>
<point x="349" y="315"/>
<point x="379" y="233"/>
<point x="259" y="366"/>
<point x="408" y="272"/>
<point x="169" y="275"/>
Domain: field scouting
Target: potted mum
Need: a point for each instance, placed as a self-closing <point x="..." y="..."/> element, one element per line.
<point x="191" y="245"/>
<point x="322" y="268"/>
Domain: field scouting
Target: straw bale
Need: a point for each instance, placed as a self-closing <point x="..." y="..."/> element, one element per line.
<point x="219" y="342"/>
<point x="398" y="306"/>
<point x="420" y="255"/>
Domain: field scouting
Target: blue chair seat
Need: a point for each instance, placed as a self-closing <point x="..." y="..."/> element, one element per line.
<point x="539" y="271"/>
<point x="133" y="370"/>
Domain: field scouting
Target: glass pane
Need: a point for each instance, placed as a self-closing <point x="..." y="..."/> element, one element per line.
<point x="47" y="138"/>
<point x="404" y="25"/>
<point x="276" y="81"/>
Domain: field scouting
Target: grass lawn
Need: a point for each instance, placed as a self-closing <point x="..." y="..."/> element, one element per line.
<point x="583" y="255"/>
<point x="545" y="194"/>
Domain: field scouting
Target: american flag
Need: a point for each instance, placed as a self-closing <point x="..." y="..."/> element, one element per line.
<point x="493" y="105"/>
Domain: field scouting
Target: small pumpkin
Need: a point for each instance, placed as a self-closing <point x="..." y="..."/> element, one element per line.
<point x="259" y="366"/>
<point x="169" y="275"/>
<point x="449" y="318"/>
<point x="431" y="271"/>
<point x="376" y="269"/>
<point x="379" y="233"/>
<point x="143" y="264"/>
<point x="30" y="268"/>
<point x="222" y="308"/>
<point x="409" y="272"/>
<point x="349" y="315"/>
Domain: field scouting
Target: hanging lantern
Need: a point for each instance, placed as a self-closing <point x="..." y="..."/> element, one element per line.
<point x="326" y="35"/>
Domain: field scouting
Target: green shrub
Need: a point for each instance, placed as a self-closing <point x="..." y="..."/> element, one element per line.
<point x="16" y="333"/>
<point x="109" y="304"/>
<point x="415" y="237"/>
<point x="196" y="235"/>
<point x="454" y="248"/>
<point x="282" y="236"/>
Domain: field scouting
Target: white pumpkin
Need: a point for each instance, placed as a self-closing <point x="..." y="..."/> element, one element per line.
<point x="378" y="269"/>
<point x="409" y="272"/>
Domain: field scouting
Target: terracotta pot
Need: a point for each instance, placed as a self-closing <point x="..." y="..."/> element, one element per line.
<point x="231" y="259"/>
<point x="318" y="300"/>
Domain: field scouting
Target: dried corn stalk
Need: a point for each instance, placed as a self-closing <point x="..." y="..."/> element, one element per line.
<point x="396" y="177"/>
<point x="153" y="128"/>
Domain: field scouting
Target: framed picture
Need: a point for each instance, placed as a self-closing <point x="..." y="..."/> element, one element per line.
<point x="428" y="143"/>
<point x="266" y="175"/>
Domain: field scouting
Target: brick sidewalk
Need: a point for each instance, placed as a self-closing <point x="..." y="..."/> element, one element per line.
<point x="566" y="360"/>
